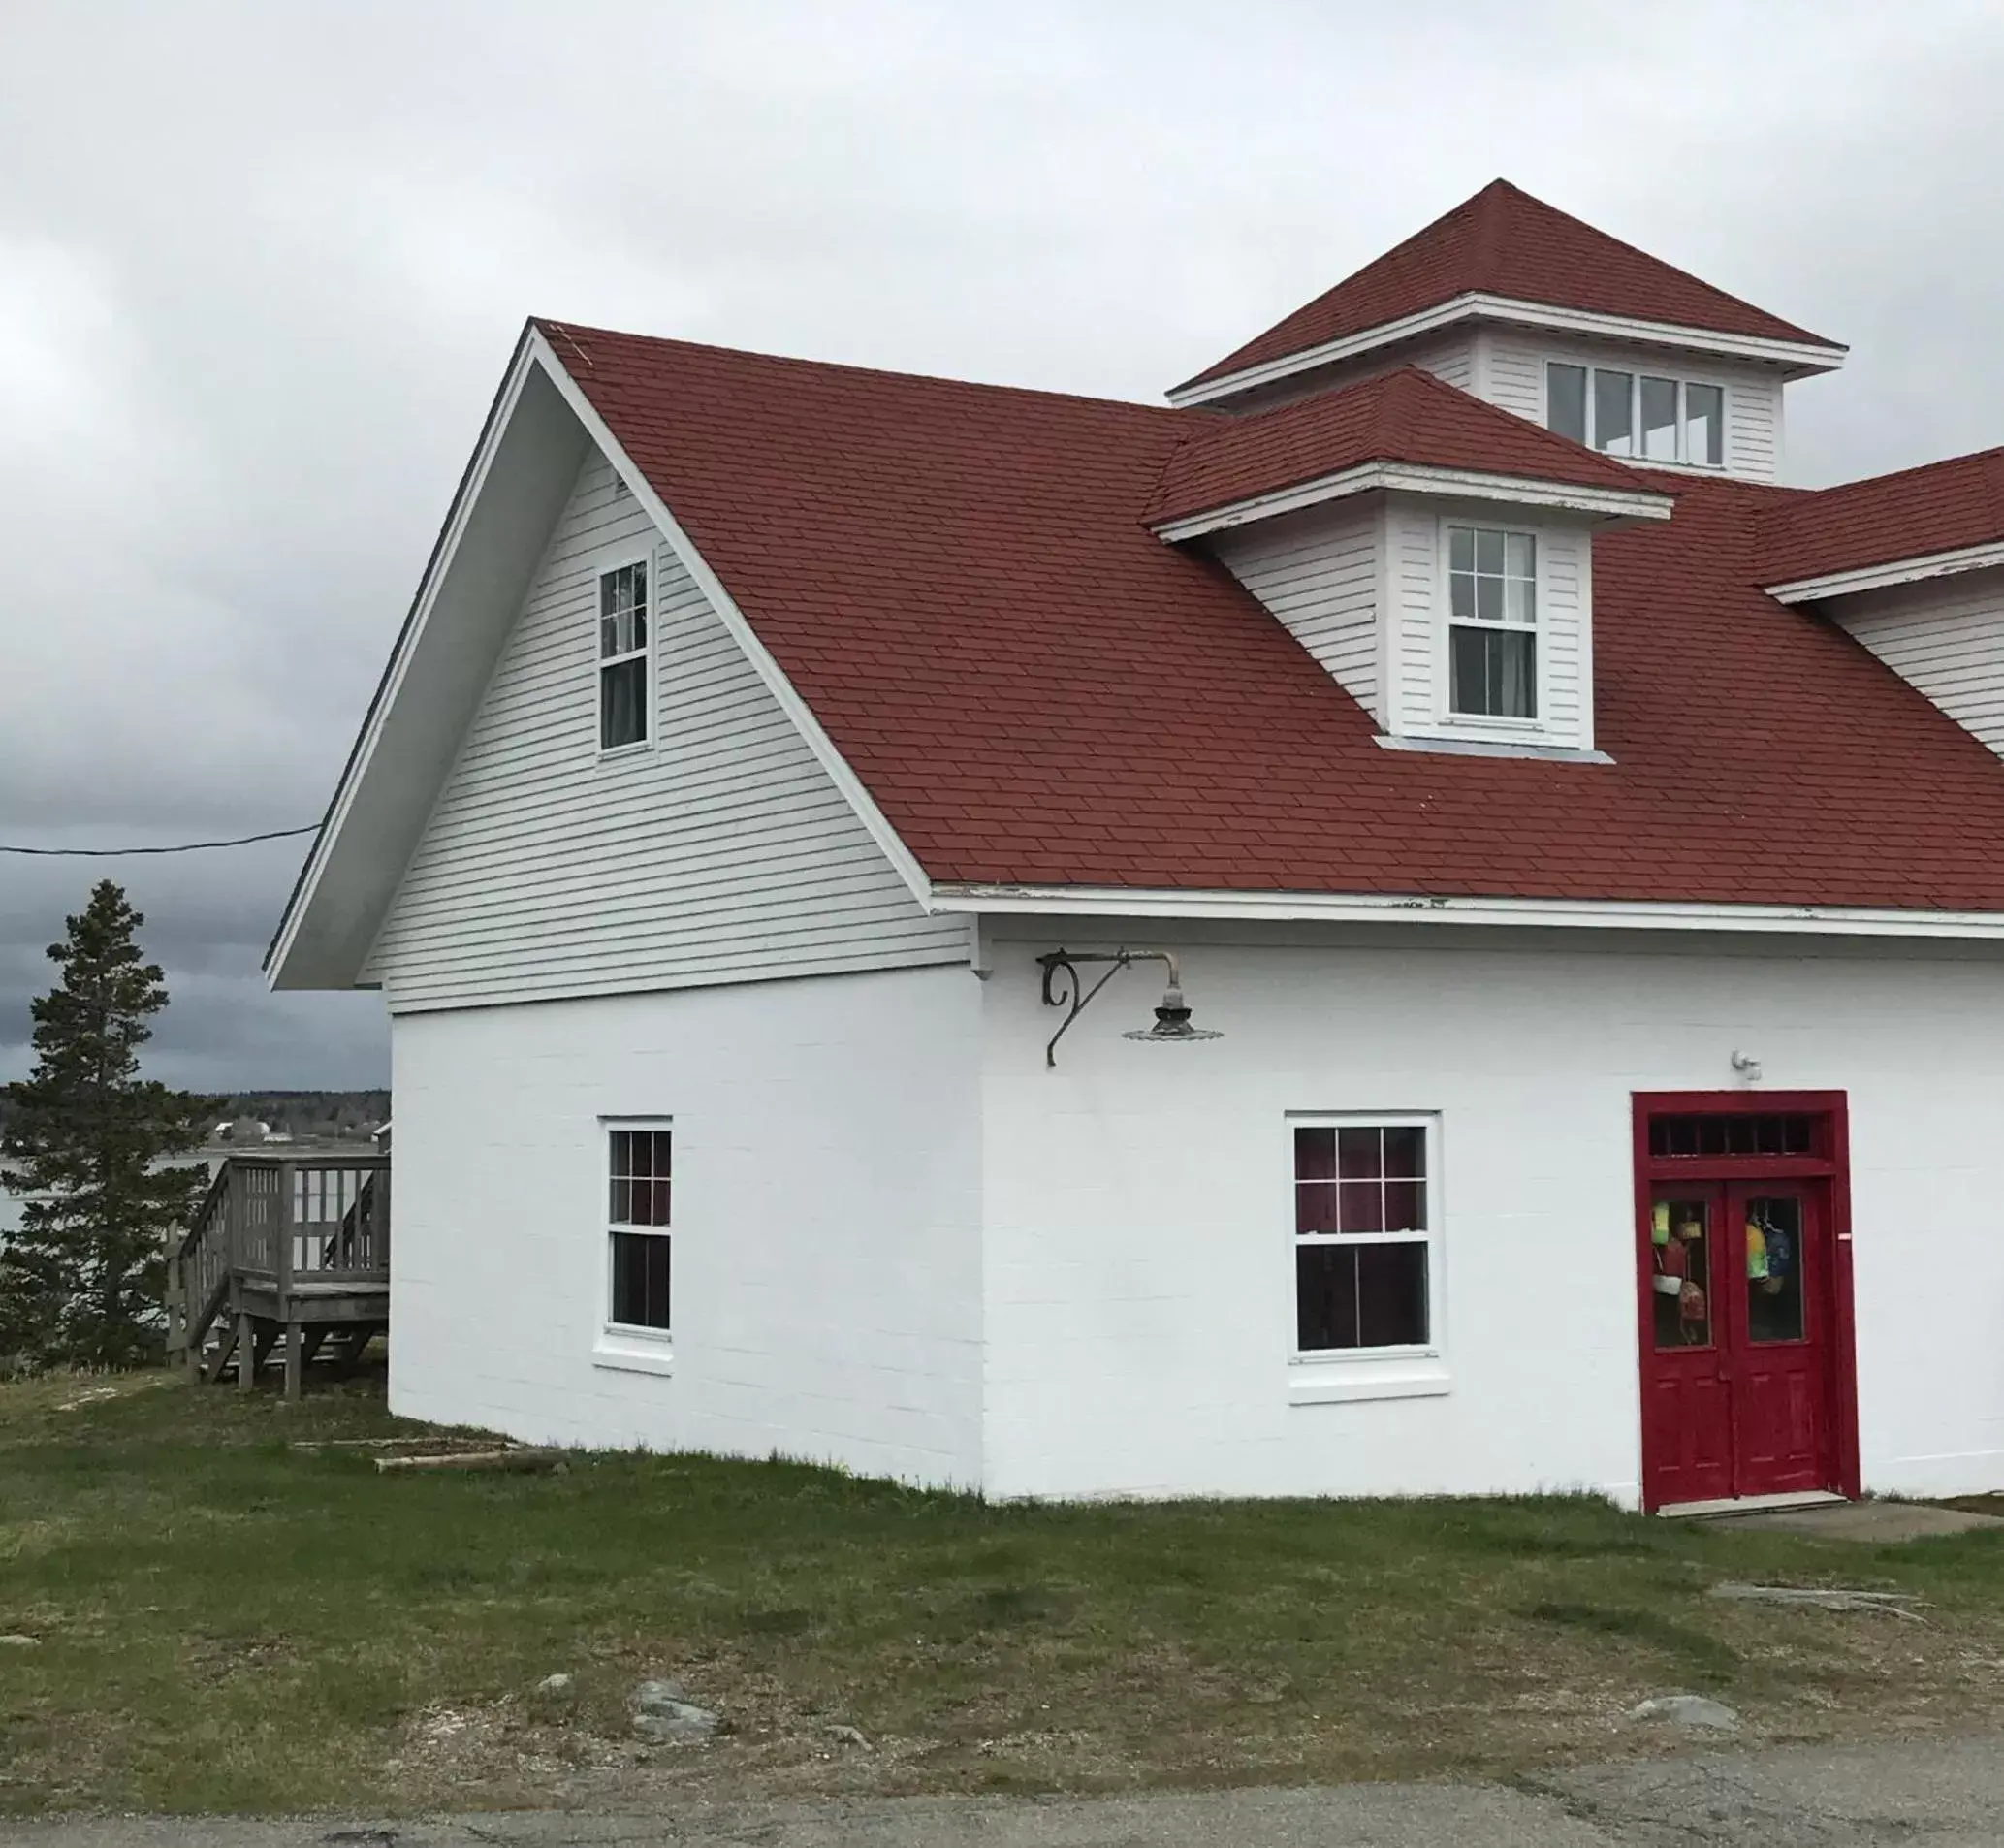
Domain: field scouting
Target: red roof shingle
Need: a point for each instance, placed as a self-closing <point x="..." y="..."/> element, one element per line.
<point x="1404" y="416"/>
<point x="1035" y="690"/>
<point x="1504" y="242"/>
<point x="1945" y="506"/>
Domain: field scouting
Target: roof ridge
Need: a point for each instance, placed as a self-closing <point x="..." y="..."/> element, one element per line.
<point x="1509" y="244"/>
<point x="570" y="329"/>
<point x="1993" y="453"/>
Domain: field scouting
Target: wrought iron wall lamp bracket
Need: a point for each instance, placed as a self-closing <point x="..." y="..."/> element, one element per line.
<point x="1064" y="987"/>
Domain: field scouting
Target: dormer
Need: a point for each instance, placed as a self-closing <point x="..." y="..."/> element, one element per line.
<point x="1434" y="553"/>
<point x="1536" y="312"/>
<point x="1911" y="566"/>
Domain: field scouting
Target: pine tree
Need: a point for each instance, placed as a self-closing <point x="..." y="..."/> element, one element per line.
<point x="87" y="1142"/>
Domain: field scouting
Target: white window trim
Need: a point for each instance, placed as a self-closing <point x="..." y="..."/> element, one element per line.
<point x="603" y="569"/>
<point x="1322" y="1376"/>
<point x="622" y="1346"/>
<point x="1638" y="370"/>
<point x="1500" y="728"/>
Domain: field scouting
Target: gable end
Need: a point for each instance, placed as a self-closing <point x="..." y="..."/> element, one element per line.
<point x="720" y="851"/>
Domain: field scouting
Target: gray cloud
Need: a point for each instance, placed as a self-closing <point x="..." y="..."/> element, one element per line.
<point x="261" y="264"/>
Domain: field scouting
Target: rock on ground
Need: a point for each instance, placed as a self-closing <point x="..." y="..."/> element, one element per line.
<point x="1687" y="1709"/>
<point x="662" y="1710"/>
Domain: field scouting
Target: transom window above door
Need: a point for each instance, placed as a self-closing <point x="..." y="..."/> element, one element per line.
<point x="1648" y="416"/>
<point x="1492" y="624"/>
<point x="623" y="654"/>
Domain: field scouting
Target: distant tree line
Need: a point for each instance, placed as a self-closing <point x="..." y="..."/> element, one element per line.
<point x="308" y="1113"/>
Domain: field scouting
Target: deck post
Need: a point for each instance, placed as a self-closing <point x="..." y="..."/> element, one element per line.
<point x="246" y="1351"/>
<point x="295" y="1361"/>
<point x="288" y="1223"/>
<point x="233" y="1222"/>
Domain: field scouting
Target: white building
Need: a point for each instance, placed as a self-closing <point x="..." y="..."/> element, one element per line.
<point x="1589" y="854"/>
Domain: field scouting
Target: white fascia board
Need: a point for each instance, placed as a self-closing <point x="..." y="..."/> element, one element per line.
<point x="1798" y="358"/>
<point x="1605" y="504"/>
<point x="1371" y="907"/>
<point x="443" y="552"/>
<point x="1883" y="576"/>
<point x="742" y="632"/>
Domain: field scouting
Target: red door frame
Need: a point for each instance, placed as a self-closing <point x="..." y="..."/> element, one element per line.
<point x="1830" y="1163"/>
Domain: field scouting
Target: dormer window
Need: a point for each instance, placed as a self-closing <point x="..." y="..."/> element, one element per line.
<point x="1638" y="415"/>
<point x="1492" y="624"/>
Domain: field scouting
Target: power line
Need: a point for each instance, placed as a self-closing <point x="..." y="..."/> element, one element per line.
<point x="185" y="847"/>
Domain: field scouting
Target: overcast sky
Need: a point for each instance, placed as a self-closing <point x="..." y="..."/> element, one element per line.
<point x="261" y="266"/>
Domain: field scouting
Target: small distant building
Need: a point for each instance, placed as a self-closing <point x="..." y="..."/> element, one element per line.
<point x="239" y="1130"/>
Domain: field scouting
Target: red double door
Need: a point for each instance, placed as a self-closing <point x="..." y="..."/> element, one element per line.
<point x="1746" y="1378"/>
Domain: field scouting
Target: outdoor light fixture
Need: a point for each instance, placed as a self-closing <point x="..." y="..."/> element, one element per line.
<point x="1064" y="989"/>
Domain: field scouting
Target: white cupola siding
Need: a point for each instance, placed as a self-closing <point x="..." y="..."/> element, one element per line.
<point x="1687" y="410"/>
<point x="1453" y="624"/>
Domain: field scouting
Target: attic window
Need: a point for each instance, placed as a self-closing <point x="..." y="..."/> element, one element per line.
<point x="1639" y="415"/>
<point x="623" y="656"/>
<point x="1492" y="624"/>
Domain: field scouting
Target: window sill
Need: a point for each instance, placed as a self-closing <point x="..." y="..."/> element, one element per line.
<point x="1321" y="1382"/>
<point x="1711" y="469"/>
<point x="623" y="1353"/>
<point x="619" y="752"/>
<point x="1454" y="747"/>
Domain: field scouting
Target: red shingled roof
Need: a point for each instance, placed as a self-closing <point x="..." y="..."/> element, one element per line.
<point x="1405" y="416"/>
<point x="1945" y="507"/>
<point x="1035" y="690"/>
<point x="1504" y="242"/>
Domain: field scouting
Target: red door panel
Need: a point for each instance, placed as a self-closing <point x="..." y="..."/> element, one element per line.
<point x="1687" y="1436"/>
<point x="1782" y="1379"/>
<point x="1688" y="1409"/>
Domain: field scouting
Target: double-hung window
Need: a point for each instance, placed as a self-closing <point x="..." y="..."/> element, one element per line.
<point x="1364" y="1237"/>
<point x="623" y="656"/>
<point x="1492" y="624"/>
<point x="639" y="1161"/>
<point x="1638" y="414"/>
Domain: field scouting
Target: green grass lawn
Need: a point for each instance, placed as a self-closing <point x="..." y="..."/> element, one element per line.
<point x="226" y="1622"/>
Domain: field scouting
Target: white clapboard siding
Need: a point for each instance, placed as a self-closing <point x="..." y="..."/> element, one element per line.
<point x="724" y="853"/>
<point x="1417" y="627"/>
<point x="1316" y="571"/>
<point x="1414" y="589"/>
<point x="1947" y="637"/>
<point x="1447" y="356"/>
<point x="1512" y="375"/>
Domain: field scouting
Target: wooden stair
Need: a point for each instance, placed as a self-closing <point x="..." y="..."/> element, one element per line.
<point x="283" y="1250"/>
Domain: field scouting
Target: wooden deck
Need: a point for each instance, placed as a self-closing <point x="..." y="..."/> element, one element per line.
<point x="285" y="1249"/>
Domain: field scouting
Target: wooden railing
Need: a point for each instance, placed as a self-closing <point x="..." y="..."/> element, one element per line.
<point x="293" y="1229"/>
<point x="198" y="1274"/>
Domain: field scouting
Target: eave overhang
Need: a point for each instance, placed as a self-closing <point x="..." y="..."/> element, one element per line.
<point x="1596" y="503"/>
<point x="1894" y="571"/>
<point x="1793" y="358"/>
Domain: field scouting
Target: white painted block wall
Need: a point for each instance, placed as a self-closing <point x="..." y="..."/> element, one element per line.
<point x="826" y="1220"/>
<point x="1138" y="1255"/>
